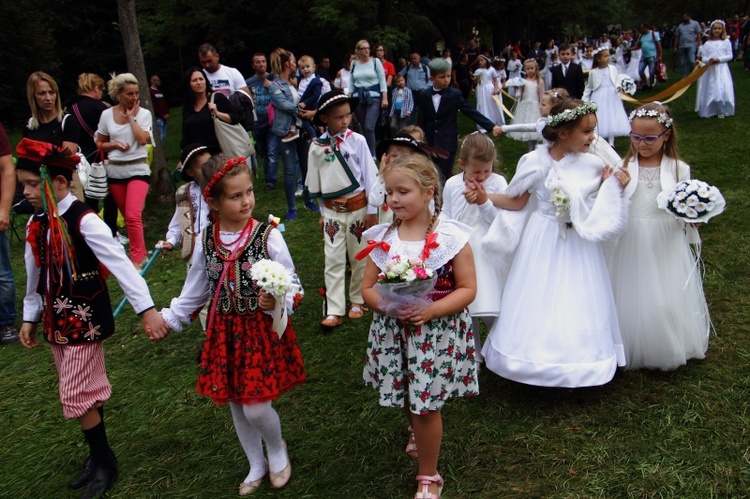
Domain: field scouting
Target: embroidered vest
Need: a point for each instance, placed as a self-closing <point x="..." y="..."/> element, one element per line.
<point x="75" y="311"/>
<point x="186" y="214"/>
<point x="328" y="175"/>
<point x="239" y="293"/>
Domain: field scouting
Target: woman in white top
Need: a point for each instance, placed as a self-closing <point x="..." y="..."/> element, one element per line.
<point x="124" y="131"/>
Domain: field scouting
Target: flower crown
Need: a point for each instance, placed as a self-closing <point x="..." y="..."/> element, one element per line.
<point x="220" y="174"/>
<point x="661" y="118"/>
<point x="601" y="49"/>
<point x="718" y="21"/>
<point x="572" y="114"/>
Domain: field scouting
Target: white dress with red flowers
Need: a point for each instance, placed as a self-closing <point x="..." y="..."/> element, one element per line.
<point x="422" y="366"/>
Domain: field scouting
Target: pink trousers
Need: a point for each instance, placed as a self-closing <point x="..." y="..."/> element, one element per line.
<point x="130" y="198"/>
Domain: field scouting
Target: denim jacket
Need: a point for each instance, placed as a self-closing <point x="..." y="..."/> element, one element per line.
<point x="284" y="105"/>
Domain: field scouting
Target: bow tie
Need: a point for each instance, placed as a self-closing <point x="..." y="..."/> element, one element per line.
<point x="438" y="92"/>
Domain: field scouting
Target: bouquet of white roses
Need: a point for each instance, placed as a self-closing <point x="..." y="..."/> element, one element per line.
<point x="404" y="281"/>
<point x="626" y="84"/>
<point x="692" y="201"/>
<point x="559" y="199"/>
<point x="273" y="278"/>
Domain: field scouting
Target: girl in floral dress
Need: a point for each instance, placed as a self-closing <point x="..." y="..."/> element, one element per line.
<point x="243" y="361"/>
<point x="420" y="356"/>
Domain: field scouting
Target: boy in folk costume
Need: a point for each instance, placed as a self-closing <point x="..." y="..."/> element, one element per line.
<point x="341" y="173"/>
<point x="191" y="214"/>
<point x="68" y="251"/>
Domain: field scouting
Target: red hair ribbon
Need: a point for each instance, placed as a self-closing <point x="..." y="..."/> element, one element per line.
<point x="371" y="245"/>
<point x="429" y="244"/>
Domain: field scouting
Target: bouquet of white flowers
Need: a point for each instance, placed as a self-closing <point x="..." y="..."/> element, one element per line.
<point x="626" y="84"/>
<point x="559" y="199"/>
<point x="692" y="201"/>
<point x="404" y="281"/>
<point x="273" y="278"/>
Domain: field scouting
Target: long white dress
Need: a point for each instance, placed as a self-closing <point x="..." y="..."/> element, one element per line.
<point x="663" y="314"/>
<point x="527" y="110"/>
<point x="611" y="118"/>
<point x="715" y="88"/>
<point x="632" y="67"/>
<point x="558" y="322"/>
<point x="485" y="103"/>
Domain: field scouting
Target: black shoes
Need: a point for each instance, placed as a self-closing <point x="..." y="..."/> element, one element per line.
<point x="85" y="476"/>
<point x="102" y="479"/>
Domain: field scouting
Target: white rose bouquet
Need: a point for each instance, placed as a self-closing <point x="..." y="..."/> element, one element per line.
<point x="560" y="199"/>
<point x="404" y="281"/>
<point x="273" y="278"/>
<point x="692" y="201"/>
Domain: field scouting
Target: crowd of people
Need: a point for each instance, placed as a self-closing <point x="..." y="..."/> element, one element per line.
<point x="550" y="262"/>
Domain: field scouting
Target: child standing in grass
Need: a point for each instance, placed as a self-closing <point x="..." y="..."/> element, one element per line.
<point x="243" y="361"/>
<point x="68" y="251"/>
<point x="420" y="356"/>
<point x="466" y="199"/>
<point x="558" y="321"/>
<point x="715" y="95"/>
<point x="602" y="88"/>
<point x="663" y="314"/>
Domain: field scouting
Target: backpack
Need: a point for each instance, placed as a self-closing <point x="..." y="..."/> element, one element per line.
<point x="243" y="104"/>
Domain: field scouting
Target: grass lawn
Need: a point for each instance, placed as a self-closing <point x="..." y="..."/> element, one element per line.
<point x="645" y="434"/>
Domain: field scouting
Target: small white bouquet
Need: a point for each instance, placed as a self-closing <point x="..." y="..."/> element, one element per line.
<point x="626" y="84"/>
<point x="692" y="201"/>
<point x="404" y="281"/>
<point x="560" y="200"/>
<point x="514" y="82"/>
<point x="273" y="278"/>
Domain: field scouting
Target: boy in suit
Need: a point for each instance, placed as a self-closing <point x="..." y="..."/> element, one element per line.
<point x="568" y="75"/>
<point x="438" y="115"/>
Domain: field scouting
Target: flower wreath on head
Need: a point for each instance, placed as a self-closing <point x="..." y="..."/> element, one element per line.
<point x="661" y="118"/>
<point x="220" y="174"/>
<point x="600" y="49"/>
<point x="718" y="21"/>
<point x="572" y="114"/>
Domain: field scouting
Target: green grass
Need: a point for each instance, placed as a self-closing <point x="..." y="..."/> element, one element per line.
<point x="645" y="434"/>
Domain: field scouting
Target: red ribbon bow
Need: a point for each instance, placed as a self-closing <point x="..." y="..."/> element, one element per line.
<point x="429" y="244"/>
<point x="371" y="245"/>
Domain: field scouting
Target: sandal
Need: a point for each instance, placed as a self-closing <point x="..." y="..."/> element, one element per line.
<point x="411" y="447"/>
<point x="332" y="321"/>
<point x="426" y="481"/>
<point x="357" y="311"/>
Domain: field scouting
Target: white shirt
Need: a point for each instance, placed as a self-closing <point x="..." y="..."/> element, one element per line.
<point x="454" y="201"/>
<point x="200" y="216"/>
<point x="225" y="80"/>
<point x="109" y="252"/>
<point x="195" y="291"/>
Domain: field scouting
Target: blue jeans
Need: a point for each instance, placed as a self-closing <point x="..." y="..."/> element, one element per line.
<point x="268" y="145"/>
<point x="161" y="125"/>
<point x="291" y="165"/>
<point x="687" y="59"/>
<point x="649" y="62"/>
<point x="7" y="284"/>
<point x="367" y="116"/>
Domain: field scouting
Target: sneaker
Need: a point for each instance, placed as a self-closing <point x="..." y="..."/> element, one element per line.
<point x="291" y="137"/>
<point x="8" y="334"/>
<point x="291" y="215"/>
<point x="310" y="205"/>
<point x="298" y="193"/>
<point x="721" y="116"/>
<point x="122" y="239"/>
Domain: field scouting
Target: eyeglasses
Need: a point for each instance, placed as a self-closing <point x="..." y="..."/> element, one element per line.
<point x="646" y="139"/>
<point x="380" y="49"/>
<point x="363" y="48"/>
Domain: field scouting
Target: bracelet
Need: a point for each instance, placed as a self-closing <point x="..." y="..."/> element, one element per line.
<point x="133" y="120"/>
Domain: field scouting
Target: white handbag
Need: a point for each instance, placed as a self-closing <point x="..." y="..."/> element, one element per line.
<point x="233" y="139"/>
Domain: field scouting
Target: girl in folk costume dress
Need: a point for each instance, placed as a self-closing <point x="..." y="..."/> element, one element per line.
<point x="488" y="85"/>
<point x="715" y="95"/>
<point x="68" y="251"/>
<point x="602" y="87"/>
<point x="466" y="198"/>
<point x="558" y="322"/>
<point x="420" y="356"/>
<point x="529" y="94"/>
<point x="244" y="361"/>
<point x="663" y="314"/>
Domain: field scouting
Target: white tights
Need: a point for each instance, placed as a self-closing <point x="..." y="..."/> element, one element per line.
<point x="489" y="321"/>
<point x="255" y="424"/>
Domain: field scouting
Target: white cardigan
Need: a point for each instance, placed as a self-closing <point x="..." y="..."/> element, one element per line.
<point x="595" y="80"/>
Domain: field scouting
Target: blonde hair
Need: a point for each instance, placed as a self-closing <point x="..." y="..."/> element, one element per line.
<point x="88" y="82"/>
<point x="556" y="95"/>
<point x="536" y="66"/>
<point x="478" y="146"/>
<point x="31" y="83"/>
<point x="722" y="36"/>
<point x="118" y="82"/>
<point x="422" y="171"/>
<point x="669" y="149"/>
<point x="416" y="132"/>
<point x="306" y="59"/>
<point x="278" y="58"/>
<point x="360" y="43"/>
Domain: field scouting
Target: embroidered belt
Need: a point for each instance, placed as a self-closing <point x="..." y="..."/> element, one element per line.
<point x="344" y="205"/>
<point x="87" y="276"/>
<point x="138" y="161"/>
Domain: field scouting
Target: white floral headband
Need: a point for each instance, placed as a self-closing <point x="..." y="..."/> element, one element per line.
<point x="661" y="118"/>
<point x="601" y="49"/>
<point x="572" y="114"/>
<point x="717" y="21"/>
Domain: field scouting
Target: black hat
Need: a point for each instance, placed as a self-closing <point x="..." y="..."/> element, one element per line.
<point x="406" y="140"/>
<point x="329" y="99"/>
<point x="189" y="153"/>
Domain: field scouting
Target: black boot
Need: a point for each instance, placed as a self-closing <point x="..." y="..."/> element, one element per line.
<point x="85" y="476"/>
<point x="103" y="477"/>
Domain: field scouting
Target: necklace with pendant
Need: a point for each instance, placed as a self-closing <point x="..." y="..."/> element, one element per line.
<point x="649" y="175"/>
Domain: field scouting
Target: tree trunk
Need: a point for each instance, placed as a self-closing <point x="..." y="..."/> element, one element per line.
<point x="134" y="56"/>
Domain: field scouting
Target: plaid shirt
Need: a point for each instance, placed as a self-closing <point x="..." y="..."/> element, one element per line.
<point x="407" y="104"/>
